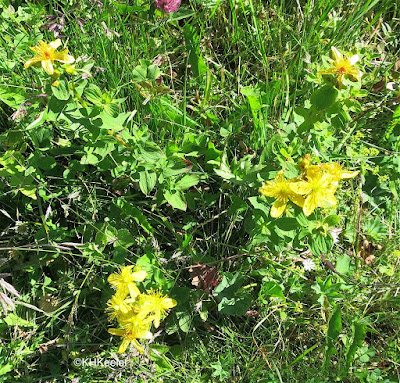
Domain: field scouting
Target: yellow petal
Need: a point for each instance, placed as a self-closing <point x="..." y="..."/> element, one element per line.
<point x="280" y="177"/>
<point x="55" y="44"/>
<point x="124" y="345"/>
<point x="138" y="346"/>
<point x="48" y="66"/>
<point x="157" y="319"/>
<point x="39" y="47"/>
<point x="63" y="57"/>
<point x="133" y="290"/>
<point x="278" y="208"/>
<point x="310" y="204"/>
<point x="116" y="331"/>
<point x="139" y="276"/>
<point x="32" y="61"/>
<point x="124" y="308"/>
<point x="340" y="79"/>
<point x="269" y="189"/>
<point x="301" y="187"/>
<point x="354" y="74"/>
<point x="328" y="71"/>
<point x="297" y="199"/>
<point x="168" y="303"/>
<point x="346" y="175"/>
<point x="330" y="199"/>
<point x="113" y="278"/>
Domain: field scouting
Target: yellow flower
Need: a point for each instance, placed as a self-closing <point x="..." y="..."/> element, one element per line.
<point x="141" y="331"/>
<point x="154" y="302"/>
<point x="343" y="66"/>
<point x="280" y="189"/>
<point x="124" y="281"/>
<point x="47" y="54"/>
<point x="118" y="305"/>
<point x="318" y="190"/>
<point x="136" y="325"/>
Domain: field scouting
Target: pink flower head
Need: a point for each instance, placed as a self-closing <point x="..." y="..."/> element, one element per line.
<point x="167" y="6"/>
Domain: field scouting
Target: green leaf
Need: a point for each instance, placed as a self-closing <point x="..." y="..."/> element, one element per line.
<point x="12" y="96"/>
<point x="181" y="14"/>
<point x="41" y="135"/>
<point x="89" y="159"/>
<point x="232" y="302"/>
<point x="253" y="97"/>
<point x="152" y="155"/>
<point x="46" y="163"/>
<point x="271" y="289"/>
<point x="302" y="220"/>
<point x="324" y="97"/>
<point x="24" y="184"/>
<point x="332" y="220"/>
<point x="228" y="286"/>
<point x="343" y="264"/>
<point x="39" y="121"/>
<point x="55" y="107"/>
<point x="286" y="224"/>
<point x="235" y="306"/>
<point x="192" y="41"/>
<point x="334" y="328"/>
<point x="320" y="244"/>
<point x="6" y="368"/>
<point x="61" y="91"/>
<point x="146" y="71"/>
<point x="147" y="181"/>
<point x="360" y="331"/>
<point x="125" y="238"/>
<point x="29" y="191"/>
<point x="13" y="319"/>
<point x="187" y="182"/>
<point x="132" y="211"/>
<point x="93" y="94"/>
<point x="184" y="321"/>
<point x="111" y="109"/>
<point x="176" y="199"/>
<point x="225" y="172"/>
<point x="161" y="361"/>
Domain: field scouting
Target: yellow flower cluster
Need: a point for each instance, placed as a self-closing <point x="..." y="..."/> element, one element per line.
<point x="135" y="312"/>
<point x="315" y="187"/>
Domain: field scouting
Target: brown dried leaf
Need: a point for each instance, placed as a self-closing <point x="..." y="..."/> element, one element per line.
<point x="379" y="86"/>
<point x="45" y="346"/>
<point x="204" y="277"/>
<point x="366" y="251"/>
<point x="188" y="163"/>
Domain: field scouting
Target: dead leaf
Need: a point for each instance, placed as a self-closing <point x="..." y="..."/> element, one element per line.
<point x="204" y="277"/>
<point x="45" y="346"/>
<point x="366" y="251"/>
<point x="379" y="86"/>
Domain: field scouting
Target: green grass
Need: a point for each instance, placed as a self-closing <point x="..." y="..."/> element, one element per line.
<point x="210" y="53"/>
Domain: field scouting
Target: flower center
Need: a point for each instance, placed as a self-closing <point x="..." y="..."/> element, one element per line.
<point x="47" y="54"/>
